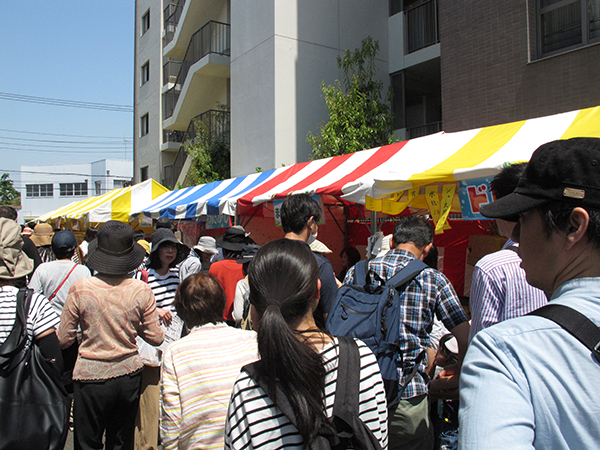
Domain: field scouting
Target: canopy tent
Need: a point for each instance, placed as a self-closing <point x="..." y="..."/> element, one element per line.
<point x="117" y="204"/>
<point x="389" y="171"/>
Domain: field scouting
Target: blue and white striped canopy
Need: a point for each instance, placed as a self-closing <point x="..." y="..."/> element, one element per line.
<point x="218" y="197"/>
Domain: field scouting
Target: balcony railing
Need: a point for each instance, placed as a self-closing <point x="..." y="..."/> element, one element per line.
<point x="423" y="130"/>
<point x="214" y="121"/>
<point x="173" y="136"/>
<point x="422" y="26"/>
<point x="214" y="37"/>
<point x="170" y="71"/>
<point x="169" y="101"/>
<point x="172" y="14"/>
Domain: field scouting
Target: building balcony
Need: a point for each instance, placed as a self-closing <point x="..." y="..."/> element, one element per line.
<point x="183" y="21"/>
<point x="421" y="25"/>
<point x="215" y="122"/>
<point x="172" y="14"/>
<point x="423" y="130"/>
<point x="203" y="75"/>
<point x="170" y="71"/>
<point x="172" y="140"/>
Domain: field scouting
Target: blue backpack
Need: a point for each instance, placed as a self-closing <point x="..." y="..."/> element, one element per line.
<point x="373" y="316"/>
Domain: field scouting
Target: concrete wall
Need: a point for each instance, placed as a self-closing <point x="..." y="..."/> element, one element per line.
<point x="148" y="47"/>
<point x="488" y="76"/>
<point x="282" y="50"/>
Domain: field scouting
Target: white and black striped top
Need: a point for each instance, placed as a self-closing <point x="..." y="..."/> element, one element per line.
<point x="41" y="316"/>
<point x="163" y="287"/>
<point x="254" y="422"/>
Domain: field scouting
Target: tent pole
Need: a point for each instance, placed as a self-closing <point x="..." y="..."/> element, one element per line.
<point x="373" y="222"/>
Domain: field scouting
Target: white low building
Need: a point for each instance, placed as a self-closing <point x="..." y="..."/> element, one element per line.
<point x="46" y="188"/>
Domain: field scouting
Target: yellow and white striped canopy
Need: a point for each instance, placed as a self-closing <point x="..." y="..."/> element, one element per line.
<point x="114" y="205"/>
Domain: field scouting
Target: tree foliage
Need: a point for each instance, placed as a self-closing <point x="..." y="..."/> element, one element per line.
<point x="8" y="194"/>
<point x="360" y="117"/>
<point x="209" y="150"/>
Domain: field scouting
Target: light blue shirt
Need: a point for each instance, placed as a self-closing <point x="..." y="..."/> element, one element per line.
<point x="527" y="383"/>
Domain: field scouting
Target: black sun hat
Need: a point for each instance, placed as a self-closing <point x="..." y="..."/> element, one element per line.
<point x="163" y="235"/>
<point x="234" y="239"/>
<point x="114" y="251"/>
<point x="565" y="170"/>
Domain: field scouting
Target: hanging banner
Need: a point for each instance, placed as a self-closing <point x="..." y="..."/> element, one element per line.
<point x="435" y="208"/>
<point x="473" y="194"/>
<point x="220" y="221"/>
<point x="396" y="205"/>
<point x="448" y="191"/>
<point x="373" y="204"/>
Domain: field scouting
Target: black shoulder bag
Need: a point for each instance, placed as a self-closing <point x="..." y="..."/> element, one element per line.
<point x="34" y="406"/>
<point x="349" y="431"/>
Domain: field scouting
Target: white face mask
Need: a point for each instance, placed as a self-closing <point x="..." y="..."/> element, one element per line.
<point x="313" y="237"/>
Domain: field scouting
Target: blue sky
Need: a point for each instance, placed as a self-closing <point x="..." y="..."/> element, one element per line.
<point x="79" y="50"/>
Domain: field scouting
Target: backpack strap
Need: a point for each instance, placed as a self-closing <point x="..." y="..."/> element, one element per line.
<point x="407" y="273"/>
<point x="361" y="272"/>
<point x="575" y="323"/>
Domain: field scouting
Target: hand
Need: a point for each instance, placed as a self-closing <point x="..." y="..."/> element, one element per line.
<point x="165" y="316"/>
<point x="445" y="385"/>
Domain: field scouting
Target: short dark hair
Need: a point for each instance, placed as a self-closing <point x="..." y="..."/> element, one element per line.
<point x="8" y="212"/>
<point x="352" y="254"/>
<point x="296" y="210"/>
<point x="507" y="180"/>
<point x="63" y="253"/>
<point x="90" y="234"/>
<point x="199" y="300"/>
<point x="555" y="219"/>
<point x="138" y="234"/>
<point x="415" y="229"/>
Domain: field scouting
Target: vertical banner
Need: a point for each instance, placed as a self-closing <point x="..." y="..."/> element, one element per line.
<point x="395" y="206"/>
<point x="448" y="191"/>
<point x="473" y="194"/>
<point x="435" y="206"/>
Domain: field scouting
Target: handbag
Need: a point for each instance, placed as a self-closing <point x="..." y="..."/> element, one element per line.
<point x="34" y="406"/>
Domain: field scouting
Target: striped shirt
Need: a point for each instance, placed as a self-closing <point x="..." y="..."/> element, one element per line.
<point x="40" y="318"/>
<point x="499" y="290"/>
<point x="429" y="294"/>
<point x="163" y="287"/>
<point x="198" y="372"/>
<point x="253" y="421"/>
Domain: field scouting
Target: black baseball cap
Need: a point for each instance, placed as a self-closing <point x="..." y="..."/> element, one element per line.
<point x="64" y="240"/>
<point x="565" y="170"/>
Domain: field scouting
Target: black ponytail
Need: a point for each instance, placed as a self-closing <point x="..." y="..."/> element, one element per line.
<point x="283" y="279"/>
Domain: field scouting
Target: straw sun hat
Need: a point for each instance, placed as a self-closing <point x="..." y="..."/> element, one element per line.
<point x="42" y="234"/>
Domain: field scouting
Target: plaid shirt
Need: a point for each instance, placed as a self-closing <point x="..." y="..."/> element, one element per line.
<point x="430" y="292"/>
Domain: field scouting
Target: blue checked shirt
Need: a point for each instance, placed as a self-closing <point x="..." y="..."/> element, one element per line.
<point x="428" y="294"/>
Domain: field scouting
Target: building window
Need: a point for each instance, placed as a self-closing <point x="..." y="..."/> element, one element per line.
<point x="567" y="24"/>
<point x="98" y="187"/>
<point x="144" y="125"/>
<point x="73" y="189"/>
<point x="39" y="190"/>
<point x="395" y="6"/>
<point x="144" y="173"/>
<point x="118" y="184"/>
<point x="145" y="73"/>
<point x="146" y="22"/>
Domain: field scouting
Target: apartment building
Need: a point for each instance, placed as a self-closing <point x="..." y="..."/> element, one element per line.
<point x="254" y="69"/>
<point x="50" y="187"/>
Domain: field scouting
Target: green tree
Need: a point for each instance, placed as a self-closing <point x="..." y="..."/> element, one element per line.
<point x="8" y="194"/>
<point x="360" y="117"/>
<point x="209" y="150"/>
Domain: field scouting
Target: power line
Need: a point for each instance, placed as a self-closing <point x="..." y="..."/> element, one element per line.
<point x="66" y="103"/>
<point x="60" y="134"/>
<point x="101" y="145"/>
<point x="65" y="173"/>
<point x="74" y="151"/>
<point x="124" y="141"/>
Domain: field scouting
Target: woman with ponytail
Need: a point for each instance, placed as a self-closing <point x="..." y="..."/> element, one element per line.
<point x="296" y="358"/>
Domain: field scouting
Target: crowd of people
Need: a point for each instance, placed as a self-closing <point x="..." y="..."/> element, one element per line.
<point x="226" y="344"/>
